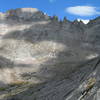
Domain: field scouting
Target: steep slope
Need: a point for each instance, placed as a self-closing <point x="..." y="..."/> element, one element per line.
<point x="42" y="58"/>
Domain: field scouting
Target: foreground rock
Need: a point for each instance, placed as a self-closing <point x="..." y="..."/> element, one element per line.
<point x="44" y="59"/>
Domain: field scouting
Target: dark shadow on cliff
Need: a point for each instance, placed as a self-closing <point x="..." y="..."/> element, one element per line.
<point x="51" y="31"/>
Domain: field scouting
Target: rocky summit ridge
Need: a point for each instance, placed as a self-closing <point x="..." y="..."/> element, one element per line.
<point x="43" y="58"/>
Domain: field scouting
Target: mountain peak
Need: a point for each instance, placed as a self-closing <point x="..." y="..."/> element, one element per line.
<point x="23" y="10"/>
<point x="26" y="14"/>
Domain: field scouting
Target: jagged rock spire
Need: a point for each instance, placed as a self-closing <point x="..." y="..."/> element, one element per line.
<point x="54" y="18"/>
<point x="65" y="19"/>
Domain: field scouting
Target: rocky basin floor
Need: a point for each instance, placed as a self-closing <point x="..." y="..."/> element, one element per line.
<point x="81" y="85"/>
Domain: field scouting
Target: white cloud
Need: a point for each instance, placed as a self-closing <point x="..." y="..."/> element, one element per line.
<point x="85" y="21"/>
<point x="51" y="1"/>
<point x="83" y="10"/>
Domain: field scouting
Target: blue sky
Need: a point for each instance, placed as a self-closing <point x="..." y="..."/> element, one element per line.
<point x="72" y="9"/>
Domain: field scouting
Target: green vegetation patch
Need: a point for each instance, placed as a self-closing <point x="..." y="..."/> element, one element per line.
<point x="2" y="88"/>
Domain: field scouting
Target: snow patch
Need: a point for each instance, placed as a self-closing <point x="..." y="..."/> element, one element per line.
<point x="92" y="56"/>
<point x="85" y="21"/>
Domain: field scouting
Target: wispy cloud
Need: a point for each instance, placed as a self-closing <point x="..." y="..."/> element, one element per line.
<point x="51" y="1"/>
<point x="83" y="10"/>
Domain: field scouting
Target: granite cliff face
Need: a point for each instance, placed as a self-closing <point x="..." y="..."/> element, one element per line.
<point x="42" y="58"/>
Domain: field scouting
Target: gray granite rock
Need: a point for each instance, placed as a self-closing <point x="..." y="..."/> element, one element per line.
<point x="42" y="58"/>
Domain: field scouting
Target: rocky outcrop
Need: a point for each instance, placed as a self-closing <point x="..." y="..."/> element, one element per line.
<point x="42" y="58"/>
<point x="26" y="14"/>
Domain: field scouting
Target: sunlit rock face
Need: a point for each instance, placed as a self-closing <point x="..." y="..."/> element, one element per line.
<point x="39" y="51"/>
<point x="26" y="14"/>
